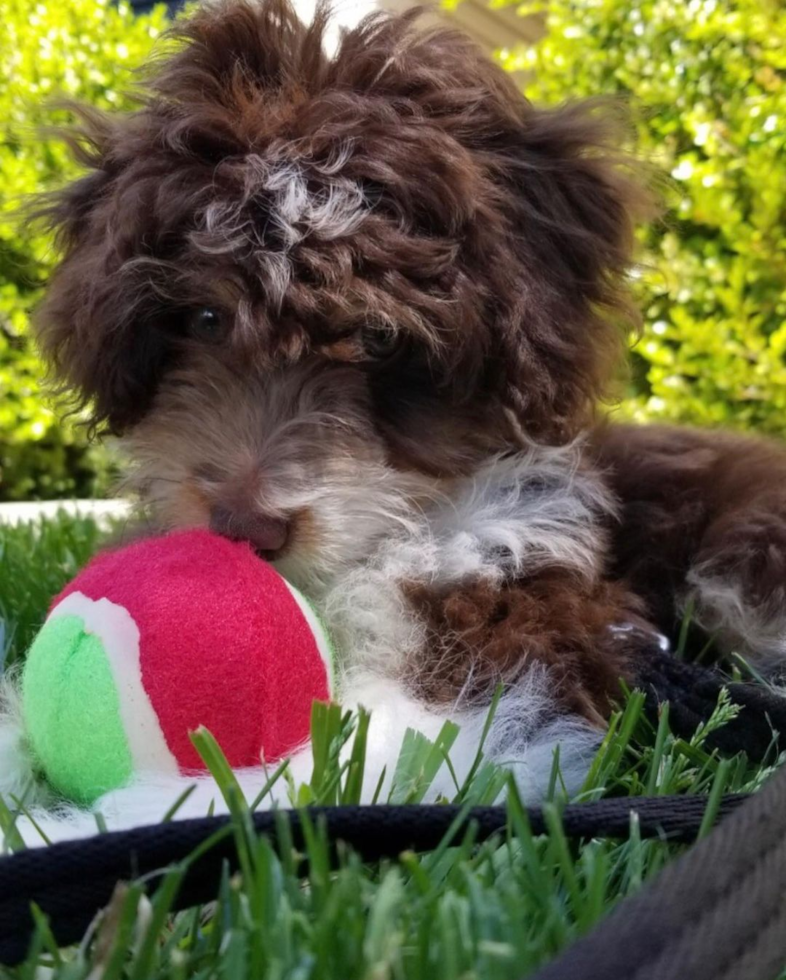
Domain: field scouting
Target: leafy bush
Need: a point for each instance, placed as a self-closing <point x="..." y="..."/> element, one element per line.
<point x="707" y="83"/>
<point x="82" y="49"/>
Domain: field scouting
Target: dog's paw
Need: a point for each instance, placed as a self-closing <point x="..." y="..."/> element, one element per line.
<point x="750" y="558"/>
<point x="737" y="591"/>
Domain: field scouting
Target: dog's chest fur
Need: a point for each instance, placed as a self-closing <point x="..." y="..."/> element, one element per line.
<point x="516" y="517"/>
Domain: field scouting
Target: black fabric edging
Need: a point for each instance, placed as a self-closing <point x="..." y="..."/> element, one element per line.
<point x="72" y="881"/>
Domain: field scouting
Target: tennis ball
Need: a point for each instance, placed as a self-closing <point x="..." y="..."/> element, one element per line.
<point x="152" y="641"/>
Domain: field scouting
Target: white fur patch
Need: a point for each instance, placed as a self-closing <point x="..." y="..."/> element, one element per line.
<point x="17" y="775"/>
<point x="296" y="211"/>
<point x="332" y="212"/>
<point x="721" y="610"/>
<point x="522" y="738"/>
<point x="516" y="516"/>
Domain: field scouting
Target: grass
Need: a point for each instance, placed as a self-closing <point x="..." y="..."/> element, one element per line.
<point x="495" y="910"/>
<point x="36" y="562"/>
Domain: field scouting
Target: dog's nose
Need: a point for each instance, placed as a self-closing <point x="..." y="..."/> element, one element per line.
<point x="265" y="534"/>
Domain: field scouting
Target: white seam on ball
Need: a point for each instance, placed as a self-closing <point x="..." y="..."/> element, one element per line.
<point x="321" y="637"/>
<point x="119" y="635"/>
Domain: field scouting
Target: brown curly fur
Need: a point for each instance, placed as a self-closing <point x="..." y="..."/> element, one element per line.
<point x="497" y="235"/>
<point x="553" y="618"/>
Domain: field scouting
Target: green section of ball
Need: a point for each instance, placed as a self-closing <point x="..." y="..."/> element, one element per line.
<point x="72" y="712"/>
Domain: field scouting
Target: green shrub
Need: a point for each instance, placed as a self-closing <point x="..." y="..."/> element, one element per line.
<point x="48" y="48"/>
<point x="707" y="82"/>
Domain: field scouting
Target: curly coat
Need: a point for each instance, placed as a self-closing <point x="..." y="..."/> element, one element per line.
<point x="361" y="310"/>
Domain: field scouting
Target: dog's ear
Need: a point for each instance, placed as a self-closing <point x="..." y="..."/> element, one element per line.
<point x="206" y="98"/>
<point x="564" y="324"/>
<point x="86" y="325"/>
<point x="550" y="207"/>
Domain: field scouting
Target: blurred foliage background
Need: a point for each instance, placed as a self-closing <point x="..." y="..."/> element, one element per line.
<point x="72" y="48"/>
<point x="706" y="80"/>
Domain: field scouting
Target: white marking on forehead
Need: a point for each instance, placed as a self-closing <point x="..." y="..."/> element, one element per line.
<point x="339" y="212"/>
<point x="276" y="270"/>
<point x="337" y="159"/>
<point x="334" y="210"/>
<point x="290" y="200"/>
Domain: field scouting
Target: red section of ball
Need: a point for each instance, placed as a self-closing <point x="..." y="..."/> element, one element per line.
<point x="223" y="643"/>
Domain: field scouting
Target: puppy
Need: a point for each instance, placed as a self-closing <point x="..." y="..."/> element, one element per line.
<point x="359" y="310"/>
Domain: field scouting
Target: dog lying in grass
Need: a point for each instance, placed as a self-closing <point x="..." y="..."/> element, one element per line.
<point x="360" y="309"/>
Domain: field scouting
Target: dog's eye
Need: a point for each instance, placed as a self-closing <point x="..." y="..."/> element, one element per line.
<point x="205" y="323"/>
<point x="379" y="341"/>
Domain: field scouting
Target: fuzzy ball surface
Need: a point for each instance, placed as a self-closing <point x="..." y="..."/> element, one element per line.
<point x="152" y="641"/>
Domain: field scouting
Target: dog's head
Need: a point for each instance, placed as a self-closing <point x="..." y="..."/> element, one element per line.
<point x="309" y="289"/>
